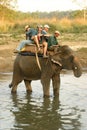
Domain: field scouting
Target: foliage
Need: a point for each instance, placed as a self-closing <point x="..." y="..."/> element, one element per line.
<point x="69" y="21"/>
<point x="8" y="3"/>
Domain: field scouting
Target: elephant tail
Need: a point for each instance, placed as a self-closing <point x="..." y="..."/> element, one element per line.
<point x="10" y="85"/>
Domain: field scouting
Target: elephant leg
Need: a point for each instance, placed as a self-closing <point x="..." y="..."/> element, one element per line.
<point x="56" y="84"/>
<point x="46" y="86"/>
<point x="14" y="88"/>
<point x="28" y="86"/>
<point x="16" y="80"/>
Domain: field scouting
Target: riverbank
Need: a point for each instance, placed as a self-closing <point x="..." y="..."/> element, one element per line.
<point x="7" y="54"/>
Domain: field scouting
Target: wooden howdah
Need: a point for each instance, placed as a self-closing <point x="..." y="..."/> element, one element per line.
<point x="33" y="49"/>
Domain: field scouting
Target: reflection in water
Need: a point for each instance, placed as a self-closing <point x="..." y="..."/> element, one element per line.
<point x="35" y="114"/>
<point x="32" y="112"/>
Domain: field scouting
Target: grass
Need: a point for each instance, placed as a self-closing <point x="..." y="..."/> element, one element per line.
<point x="73" y="37"/>
<point x="83" y="50"/>
<point x="71" y="30"/>
<point x="63" y="25"/>
<point x="64" y="37"/>
<point x="9" y="38"/>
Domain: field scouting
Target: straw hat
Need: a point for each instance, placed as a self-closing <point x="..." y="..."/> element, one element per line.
<point x="26" y="27"/>
<point x="39" y="26"/>
<point x="57" y="32"/>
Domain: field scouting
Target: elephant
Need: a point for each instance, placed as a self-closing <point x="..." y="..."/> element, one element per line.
<point x="26" y="68"/>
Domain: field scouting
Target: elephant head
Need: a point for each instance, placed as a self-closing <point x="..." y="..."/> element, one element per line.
<point x="66" y="59"/>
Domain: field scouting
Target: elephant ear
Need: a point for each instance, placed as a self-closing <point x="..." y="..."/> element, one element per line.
<point x="63" y="53"/>
<point x="56" y="62"/>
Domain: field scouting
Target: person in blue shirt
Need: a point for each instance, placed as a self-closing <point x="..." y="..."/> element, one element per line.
<point x="31" y="38"/>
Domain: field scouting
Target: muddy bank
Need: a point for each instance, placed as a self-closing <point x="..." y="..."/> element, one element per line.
<point x="7" y="55"/>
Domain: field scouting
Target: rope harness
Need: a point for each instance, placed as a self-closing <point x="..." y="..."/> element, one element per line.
<point x="37" y="59"/>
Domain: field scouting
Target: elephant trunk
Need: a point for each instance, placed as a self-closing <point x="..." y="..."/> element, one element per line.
<point x="77" y="69"/>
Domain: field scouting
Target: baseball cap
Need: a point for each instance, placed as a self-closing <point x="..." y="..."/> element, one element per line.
<point x="46" y="26"/>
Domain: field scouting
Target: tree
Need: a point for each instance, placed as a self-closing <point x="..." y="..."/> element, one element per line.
<point x="6" y="9"/>
<point x="83" y="5"/>
<point x="8" y="3"/>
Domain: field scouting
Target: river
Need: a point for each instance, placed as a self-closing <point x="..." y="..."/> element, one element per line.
<point x="32" y="112"/>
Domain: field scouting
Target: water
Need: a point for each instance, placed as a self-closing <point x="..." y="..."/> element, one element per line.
<point x="33" y="112"/>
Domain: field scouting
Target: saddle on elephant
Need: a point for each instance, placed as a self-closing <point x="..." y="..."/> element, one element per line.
<point x="31" y="48"/>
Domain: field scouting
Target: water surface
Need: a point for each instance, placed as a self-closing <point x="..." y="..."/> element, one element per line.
<point x="33" y="112"/>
